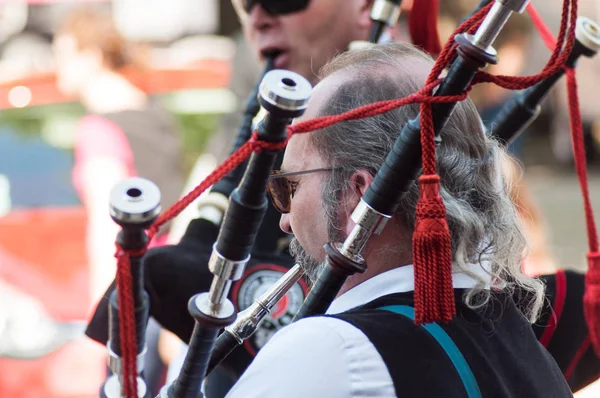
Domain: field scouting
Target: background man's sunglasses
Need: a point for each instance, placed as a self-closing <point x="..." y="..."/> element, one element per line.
<point x="272" y="7"/>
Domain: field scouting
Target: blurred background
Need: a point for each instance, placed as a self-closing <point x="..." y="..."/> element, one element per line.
<point x="190" y="48"/>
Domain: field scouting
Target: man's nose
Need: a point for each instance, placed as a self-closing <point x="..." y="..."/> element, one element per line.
<point x="284" y="224"/>
<point x="259" y="19"/>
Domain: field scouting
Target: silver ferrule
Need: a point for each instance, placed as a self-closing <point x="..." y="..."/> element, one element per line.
<point x="113" y="388"/>
<point x="495" y="21"/>
<point x="115" y="362"/>
<point x="248" y="320"/>
<point x="491" y="26"/>
<point x="514" y="5"/>
<point x="221" y="310"/>
<point x="587" y="33"/>
<point x="368" y="221"/>
<point x="219" y="289"/>
<point x="281" y="287"/>
<point x="385" y="11"/>
<point x="135" y="200"/>
<point x="285" y="90"/>
<point x="225" y="271"/>
<point x="225" y="268"/>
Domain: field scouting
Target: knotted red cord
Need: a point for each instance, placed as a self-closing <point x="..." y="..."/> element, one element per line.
<point x="429" y="183"/>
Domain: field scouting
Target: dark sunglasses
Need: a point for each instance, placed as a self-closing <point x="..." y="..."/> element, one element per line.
<point x="274" y="7"/>
<point x="281" y="190"/>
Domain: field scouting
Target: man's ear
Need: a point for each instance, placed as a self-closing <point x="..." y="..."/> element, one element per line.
<point x="361" y="180"/>
<point x="359" y="183"/>
<point x="364" y="19"/>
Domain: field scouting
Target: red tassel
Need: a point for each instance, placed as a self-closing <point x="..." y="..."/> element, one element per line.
<point x="423" y="26"/>
<point x="432" y="256"/>
<point x="591" y="300"/>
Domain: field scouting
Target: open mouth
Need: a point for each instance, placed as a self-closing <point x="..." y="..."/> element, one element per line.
<point x="279" y="57"/>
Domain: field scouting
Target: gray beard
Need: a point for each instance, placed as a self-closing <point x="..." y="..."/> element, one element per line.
<point x="311" y="267"/>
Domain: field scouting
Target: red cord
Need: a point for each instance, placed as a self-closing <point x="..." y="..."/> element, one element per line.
<point x="542" y="28"/>
<point x="579" y="158"/>
<point x="591" y="298"/>
<point x="557" y="308"/>
<point x="127" y="332"/>
<point x="577" y="357"/>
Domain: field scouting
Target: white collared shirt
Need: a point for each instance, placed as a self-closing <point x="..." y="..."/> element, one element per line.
<point x="328" y="357"/>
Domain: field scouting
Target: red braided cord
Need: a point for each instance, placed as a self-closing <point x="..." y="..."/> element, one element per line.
<point x="235" y="159"/>
<point x="556" y="61"/>
<point x="127" y="332"/>
<point x="579" y="158"/>
<point x="447" y="54"/>
<point x="374" y="109"/>
<point x="591" y="298"/>
<point x="431" y="244"/>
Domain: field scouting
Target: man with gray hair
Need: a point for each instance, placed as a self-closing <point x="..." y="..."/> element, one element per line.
<point x="360" y="349"/>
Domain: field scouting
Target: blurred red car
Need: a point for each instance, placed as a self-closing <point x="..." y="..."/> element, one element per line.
<point x="43" y="278"/>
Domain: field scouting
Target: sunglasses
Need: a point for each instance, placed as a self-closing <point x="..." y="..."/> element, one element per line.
<point x="281" y="190"/>
<point x="272" y="7"/>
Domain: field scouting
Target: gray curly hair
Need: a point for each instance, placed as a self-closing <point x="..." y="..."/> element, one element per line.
<point x="482" y="219"/>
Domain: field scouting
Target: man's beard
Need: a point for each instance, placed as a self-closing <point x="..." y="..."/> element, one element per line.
<point x="312" y="267"/>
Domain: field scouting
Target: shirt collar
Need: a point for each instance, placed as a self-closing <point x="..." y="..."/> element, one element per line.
<point x="400" y="280"/>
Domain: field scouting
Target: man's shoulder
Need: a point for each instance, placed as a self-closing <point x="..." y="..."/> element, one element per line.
<point x="316" y="356"/>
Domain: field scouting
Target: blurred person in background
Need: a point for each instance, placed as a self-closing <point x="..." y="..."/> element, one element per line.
<point x="124" y="134"/>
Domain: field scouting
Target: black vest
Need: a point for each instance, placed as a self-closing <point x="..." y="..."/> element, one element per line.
<point x="497" y="343"/>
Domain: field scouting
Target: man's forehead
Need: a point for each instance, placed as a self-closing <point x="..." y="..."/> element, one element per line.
<point x="300" y="153"/>
<point x="322" y="92"/>
<point x="297" y="153"/>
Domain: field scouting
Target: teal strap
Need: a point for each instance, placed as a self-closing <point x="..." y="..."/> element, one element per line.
<point x="445" y="341"/>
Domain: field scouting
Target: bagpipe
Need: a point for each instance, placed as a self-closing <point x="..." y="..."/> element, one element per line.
<point x="239" y="203"/>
